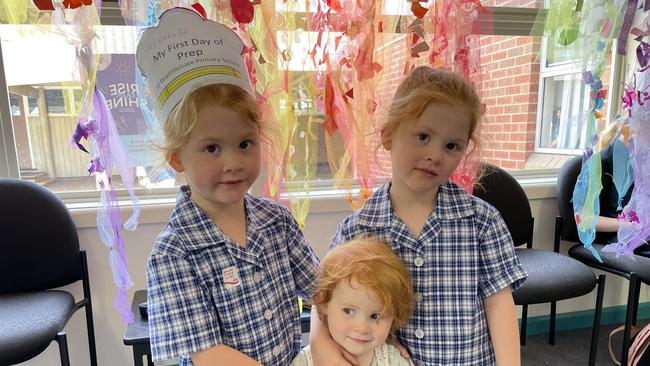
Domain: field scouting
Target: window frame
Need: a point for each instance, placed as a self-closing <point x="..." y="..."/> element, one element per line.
<point x="617" y="69"/>
<point x="511" y="21"/>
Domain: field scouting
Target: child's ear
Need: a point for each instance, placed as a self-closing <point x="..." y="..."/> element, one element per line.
<point x="386" y="140"/>
<point x="175" y="162"/>
<point x="322" y="309"/>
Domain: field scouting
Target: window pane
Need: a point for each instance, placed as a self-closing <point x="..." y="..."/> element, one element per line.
<point x="556" y="55"/>
<point x="32" y="102"/>
<point x="563" y="117"/>
<point x="19" y="125"/>
<point x="14" y="104"/>
<point x="54" y="101"/>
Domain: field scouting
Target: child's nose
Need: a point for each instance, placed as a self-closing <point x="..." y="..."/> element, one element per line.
<point x="232" y="162"/>
<point x="435" y="153"/>
<point x="362" y="326"/>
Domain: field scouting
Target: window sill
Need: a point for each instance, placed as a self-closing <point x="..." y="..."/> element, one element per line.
<point x="158" y="210"/>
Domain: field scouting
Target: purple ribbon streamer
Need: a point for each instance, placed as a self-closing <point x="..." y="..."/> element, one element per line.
<point x="79" y="132"/>
<point x="643" y="54"/>
<point x="108" y="154"/>
<point x="630" y="10"/>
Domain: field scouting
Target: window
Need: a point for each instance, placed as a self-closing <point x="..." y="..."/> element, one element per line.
<point x="563" y="128"/>
<point x="32" y="102"/>
<point x="52" y="98"/>
<point x="533" y="102"/>
<point x="564" y="102"/>
<point x="62" y="101"/>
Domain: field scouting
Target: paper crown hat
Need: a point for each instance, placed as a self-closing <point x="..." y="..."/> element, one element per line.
<point x="185" y="52"/>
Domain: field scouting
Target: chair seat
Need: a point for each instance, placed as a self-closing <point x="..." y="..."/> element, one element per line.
<point x="636" y="263"/>
<point x="30" y="321"/>
<point x="552" y="277"/>
<point x="643" y="250"/>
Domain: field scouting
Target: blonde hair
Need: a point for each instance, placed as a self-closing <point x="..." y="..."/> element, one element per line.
<point x="181" y="120"/>
<point x="424" y="86"/>
<point x="615" y="129"/>
<point x="374" y="265"/>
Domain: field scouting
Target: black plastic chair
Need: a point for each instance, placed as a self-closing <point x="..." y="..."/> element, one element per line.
<point x="636" y="270"/>
<point x="39" y="250"/>
<point x="552" y="276"/>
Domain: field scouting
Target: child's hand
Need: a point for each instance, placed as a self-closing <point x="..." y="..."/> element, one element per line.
<point x="394" y="341"/>
<point x="325" y="352"/>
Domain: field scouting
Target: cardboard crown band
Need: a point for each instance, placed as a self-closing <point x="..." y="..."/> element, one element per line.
<point x="185" y="52"/>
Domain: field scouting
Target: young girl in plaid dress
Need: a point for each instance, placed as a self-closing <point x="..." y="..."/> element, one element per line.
<point x="224" y="275"/>
<point x="457" y="247"/>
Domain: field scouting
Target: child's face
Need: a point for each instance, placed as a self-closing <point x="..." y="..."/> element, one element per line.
<point x="221" y="158"/>
<point x="425" y="153"/>
<point x="355" y="320"/>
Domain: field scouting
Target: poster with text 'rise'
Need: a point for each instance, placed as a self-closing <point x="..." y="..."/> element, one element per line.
<point x="116" y="80"/>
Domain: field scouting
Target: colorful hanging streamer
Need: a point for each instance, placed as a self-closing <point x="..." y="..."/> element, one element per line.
<point x="634" y="228"/>
<point x="585" y="33"/>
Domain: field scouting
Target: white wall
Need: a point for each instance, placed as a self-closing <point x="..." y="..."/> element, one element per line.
<point x="321" y="223"/>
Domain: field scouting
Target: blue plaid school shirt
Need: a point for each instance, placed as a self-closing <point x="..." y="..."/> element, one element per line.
<point x="464" y="254"/>
<point x="204" y="290"/>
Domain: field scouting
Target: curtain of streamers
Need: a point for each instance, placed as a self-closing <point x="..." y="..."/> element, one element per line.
<point x="634" y="229"/>
<point x="584" y="31"/>
<point x="319" y="67"/>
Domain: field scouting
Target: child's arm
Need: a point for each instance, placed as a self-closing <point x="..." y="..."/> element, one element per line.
<point x="502" y="324"/>
<point x="607" y="224"/>
<point x="324" y="351"/>
<point x="500" y="272"/>
<point x="222" y="355"/>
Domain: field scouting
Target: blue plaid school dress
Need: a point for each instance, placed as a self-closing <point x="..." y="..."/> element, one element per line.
<point x="204" y="290"/>
<point x="464" y="254"/>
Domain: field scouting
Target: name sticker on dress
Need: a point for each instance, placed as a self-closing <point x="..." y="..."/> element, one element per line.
<point x="231" y="277"/>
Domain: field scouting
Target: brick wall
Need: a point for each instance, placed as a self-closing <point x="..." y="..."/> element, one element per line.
<point x="509" y="89"/>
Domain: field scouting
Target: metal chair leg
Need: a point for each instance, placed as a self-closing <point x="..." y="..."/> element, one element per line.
<point x="91" y="335"/>
<point x="551" y="324"/>
<point x="637" y="293"/>
<point x="92" y="349"/>
<point x="593" y="348"/>
<point x="524" y="320"/>
<point x="61" y="339"/>
<point x="629" y="315"/>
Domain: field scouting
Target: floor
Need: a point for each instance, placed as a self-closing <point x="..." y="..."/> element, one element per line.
<point x="571" y="348"/>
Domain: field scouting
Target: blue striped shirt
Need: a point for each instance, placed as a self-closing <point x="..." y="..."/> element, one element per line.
<point x="464" y="254"/>
<point x="205" y="290"/>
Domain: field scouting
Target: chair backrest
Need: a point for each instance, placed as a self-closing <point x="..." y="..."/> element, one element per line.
<point x="566" y="182"/>
<point x="39" y="247"/>
<point x="501" y="190"/>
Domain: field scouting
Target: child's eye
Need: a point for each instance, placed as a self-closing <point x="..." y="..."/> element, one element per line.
<point x="422" y="137"/>
<point x="454" y="146"/>
<point x="246" y="144"/>
<point x="375" y="316"/>
<point x="212" y="149"/>
<point x="348" y="311"/>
